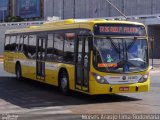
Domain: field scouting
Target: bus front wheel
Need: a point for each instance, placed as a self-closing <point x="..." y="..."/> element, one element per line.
<point x="64" y="83"/>
<point x="18" y="72"/>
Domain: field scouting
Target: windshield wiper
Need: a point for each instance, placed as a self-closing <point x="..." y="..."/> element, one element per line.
<point x="131" y="44"/>
<point x="114" y="45"/>
<point x="118" y="49"/>
<point x="124" y="61"/>
<point x="126" y="50"/>
<point x="126" y="54"/>
<point x="119" y="46"/>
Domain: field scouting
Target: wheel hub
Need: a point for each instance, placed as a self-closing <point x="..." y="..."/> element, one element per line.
<point x="64" y="82"/>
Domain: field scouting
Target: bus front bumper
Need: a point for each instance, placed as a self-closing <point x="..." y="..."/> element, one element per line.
<point x="97" y="88"/>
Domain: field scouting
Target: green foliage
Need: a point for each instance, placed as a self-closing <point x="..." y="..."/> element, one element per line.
<point x="20" y="19"/>
<point x="13" y="19"/>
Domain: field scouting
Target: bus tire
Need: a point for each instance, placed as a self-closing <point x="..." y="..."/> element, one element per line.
<point x="64" y="83"/>
<point x="18" y="72"/>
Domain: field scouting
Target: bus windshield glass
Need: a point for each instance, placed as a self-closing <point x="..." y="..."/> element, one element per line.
<point x="120" y="55"/>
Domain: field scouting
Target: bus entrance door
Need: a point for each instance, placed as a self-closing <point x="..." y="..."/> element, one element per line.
<point x="40" y="61"/>
<point x="82" y="64"/>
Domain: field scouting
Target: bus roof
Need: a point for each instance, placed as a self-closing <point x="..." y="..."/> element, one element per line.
<point x="68" y="24"/>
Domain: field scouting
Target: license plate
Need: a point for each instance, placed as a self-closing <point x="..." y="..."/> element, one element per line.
<point x="124" y="89"/>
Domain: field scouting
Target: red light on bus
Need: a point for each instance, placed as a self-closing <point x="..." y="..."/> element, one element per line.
<point x="130" y="30"/>
<point x="70" y="35"/>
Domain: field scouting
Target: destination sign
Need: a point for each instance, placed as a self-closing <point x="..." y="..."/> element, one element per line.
<point x="119" y="30"/>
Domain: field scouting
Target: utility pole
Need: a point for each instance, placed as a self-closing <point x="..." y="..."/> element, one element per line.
<point x="151" y="39"/>
<point x="74" y="14"/>
<point x="3" y="14"/>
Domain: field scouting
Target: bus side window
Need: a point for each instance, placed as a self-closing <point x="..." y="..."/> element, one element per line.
<point x="21" y="43"/>
<point x="69" y="47"/>
<point x="25" y="45"/>
<point x="32" y="46"/>
<point x="7" y="45"/>
<point x="13" y="43"/>
<point x="50" y="50"/>
<point x="17" y="43"/>
<point x="58" y="47"/>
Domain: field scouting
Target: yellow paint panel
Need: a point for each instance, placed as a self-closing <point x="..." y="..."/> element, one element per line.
<point x="96" y="88"/>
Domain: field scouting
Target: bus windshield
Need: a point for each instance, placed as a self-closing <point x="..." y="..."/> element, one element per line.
<point x="120" y="55"/>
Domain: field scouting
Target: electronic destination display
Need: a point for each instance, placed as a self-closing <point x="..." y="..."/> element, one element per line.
<point x="119" y="29"/>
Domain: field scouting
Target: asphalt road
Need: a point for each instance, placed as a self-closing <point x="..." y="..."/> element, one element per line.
<point x="32" y="100"/>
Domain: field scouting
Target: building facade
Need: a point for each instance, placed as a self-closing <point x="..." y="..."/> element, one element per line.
<point x="99" y="8"/>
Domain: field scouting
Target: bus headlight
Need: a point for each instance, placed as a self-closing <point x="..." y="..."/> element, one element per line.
<point x="99" y="78"/>
<point x="144" y="78"/>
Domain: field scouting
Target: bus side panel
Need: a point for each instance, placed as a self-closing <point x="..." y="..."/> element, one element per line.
<point x="9" y="61"/>
<point x="29" y="69"/>
<point x="6" y="62"/>
<point x="51" y="73"/>
<point x="71" y="75"/>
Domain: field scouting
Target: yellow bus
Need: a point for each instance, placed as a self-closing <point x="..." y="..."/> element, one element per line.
<point x="91" y="56"/>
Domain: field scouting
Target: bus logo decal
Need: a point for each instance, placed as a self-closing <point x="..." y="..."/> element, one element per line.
<point x="124" y="78"/>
